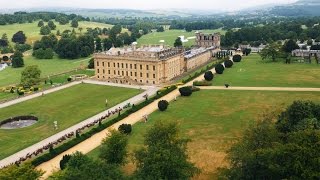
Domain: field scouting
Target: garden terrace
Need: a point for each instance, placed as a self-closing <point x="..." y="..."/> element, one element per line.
<point x="84" y="99"/>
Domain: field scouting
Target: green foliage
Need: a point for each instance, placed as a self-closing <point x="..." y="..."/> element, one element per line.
<point x="237" y="58"/>
<point x="45" y="30"/>
<point x="107" y="44"/>
<point x="22" y="47"/>
<point x="272" y="51"/>
<point x="23" y="172"/>
<point x="83" y="168"/>
<point x="208" y="76"/>
<point x="202" y="83"/>
<point x="185" y="91"/>
<point x="246" y="51"/>
<point x="178" y="42"/>
<point x="4" y="40"/>
<point x="165" y="154"/>
<point x="125" y="128"/>
<point x="7" y="49"/>
<point x="98" y="44"/>
<point x="51" y="25"/>
<point x="299" y="115"/>
<point x="219" y="68"/>
<point x="43" y="53"/>
<point x="114" y="148"/>
<point x="163" y="105"/>
<point x="289" y="46"/>
<point x="40" y="23"/>
<point x="19" y="37"/>
<point x="65" y="159"/>
<point x="17" y="60"/>
<point x="30" y="76"/>
<point x="228" y="63"/>
<point x="91" y="64"/>
<point x="74" y="47"/>
<point x="74" y="23"/>
<point x="288" y="149"/>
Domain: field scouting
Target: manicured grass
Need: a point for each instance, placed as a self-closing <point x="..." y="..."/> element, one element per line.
<point x="171" y="35"/>
<point x="213" y="120"/>
<point x="48" y="67"/>
<point x="252" y="71"/>
<point x="68" y="107"/>
<point x="58" y="79"/>
<point x="32" y="31"/>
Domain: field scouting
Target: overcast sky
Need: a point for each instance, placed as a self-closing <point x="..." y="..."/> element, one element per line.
<point x="140" y="4"/>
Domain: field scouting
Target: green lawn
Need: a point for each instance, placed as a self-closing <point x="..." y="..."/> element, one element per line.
<point x="213" y="120"/>
<point x="171" y="35"/>
<point x="58" y="79"/>
<point x="252" y="71"/>
<point x="32" y="30"/>
<point x="48" y="67"/>
<point x="68" y="107"/>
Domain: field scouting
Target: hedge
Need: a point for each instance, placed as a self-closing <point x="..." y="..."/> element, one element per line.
<point x="228" y="63"/>
<point x="185" y="91"/>
<point x="236" y="58"/>
<point x="219" y="69"/>
<point x="202" y="83"/>
<point x="60" y="149"/>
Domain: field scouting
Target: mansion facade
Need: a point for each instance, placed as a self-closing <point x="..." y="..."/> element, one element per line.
<point x="156" y="64"/>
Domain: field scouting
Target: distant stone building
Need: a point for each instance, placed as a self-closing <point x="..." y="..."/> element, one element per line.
<point x="208" y="40"/>
<point x="148" y="64"/>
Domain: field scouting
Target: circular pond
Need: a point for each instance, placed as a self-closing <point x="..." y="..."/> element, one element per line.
<point x="18" y="122"/>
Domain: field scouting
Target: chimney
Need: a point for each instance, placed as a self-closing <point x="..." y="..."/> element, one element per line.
<point x="134" y="46"/>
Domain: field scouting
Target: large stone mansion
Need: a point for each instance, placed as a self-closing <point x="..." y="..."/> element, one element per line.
<point x="153" y="64"/>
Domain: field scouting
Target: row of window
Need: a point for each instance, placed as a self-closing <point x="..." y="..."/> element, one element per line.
<point x="126" y="65"/>
<point x="123" y="73"/>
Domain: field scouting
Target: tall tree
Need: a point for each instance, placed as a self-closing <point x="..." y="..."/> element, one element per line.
<point x="177" y="42"/>
<point x="4" y="40"/>
<point x="45" y="30"/>
<point x="17" y="60"/>
<point x="98" y="44"/>
<point x="30" y="76"/>
<point x="107" y="44"/>
<point x="165" y="154"/>
<point x="289" y="46"/>
<point x="271" y="51"/>
<point x="52" y="25"/>
<point x="19" y="37"/>
<point x="40" y="23"/>
<point x="74" y="23"/>
<point x="114" y="148"/>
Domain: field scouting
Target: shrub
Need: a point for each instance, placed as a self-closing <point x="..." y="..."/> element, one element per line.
<point x="236" y="58"/>
<point x="43" y="53"/>
<point x="185" y="91"/>
<point x="202" y="83"/>
<point x="163" y="105"/>
<point x="194" y="89"/>
<point x="65" y="159"/>
<point x="125" y="128"/>
<point x="69" y="79"/>
<point x="228" y="63"/>
<point x="20" y="93"/>
<point x="219" y="69"/>
<point x="208" y="76"/>
<point x="36" y="89"/>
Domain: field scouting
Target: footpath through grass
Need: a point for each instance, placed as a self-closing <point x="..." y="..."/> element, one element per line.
<point x="253" y="71"/>
<point x="69" y="106"/>
<point x="213" y="120"/>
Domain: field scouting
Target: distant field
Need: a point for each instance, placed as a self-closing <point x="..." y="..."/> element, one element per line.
<point x="68" y="106"/>
<point x="32" y="30"/>
<point x="253" y="71"/>
<point x="48" y="67"/>
<point x="214" y="120"/>
<point x="171" y="35"/>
